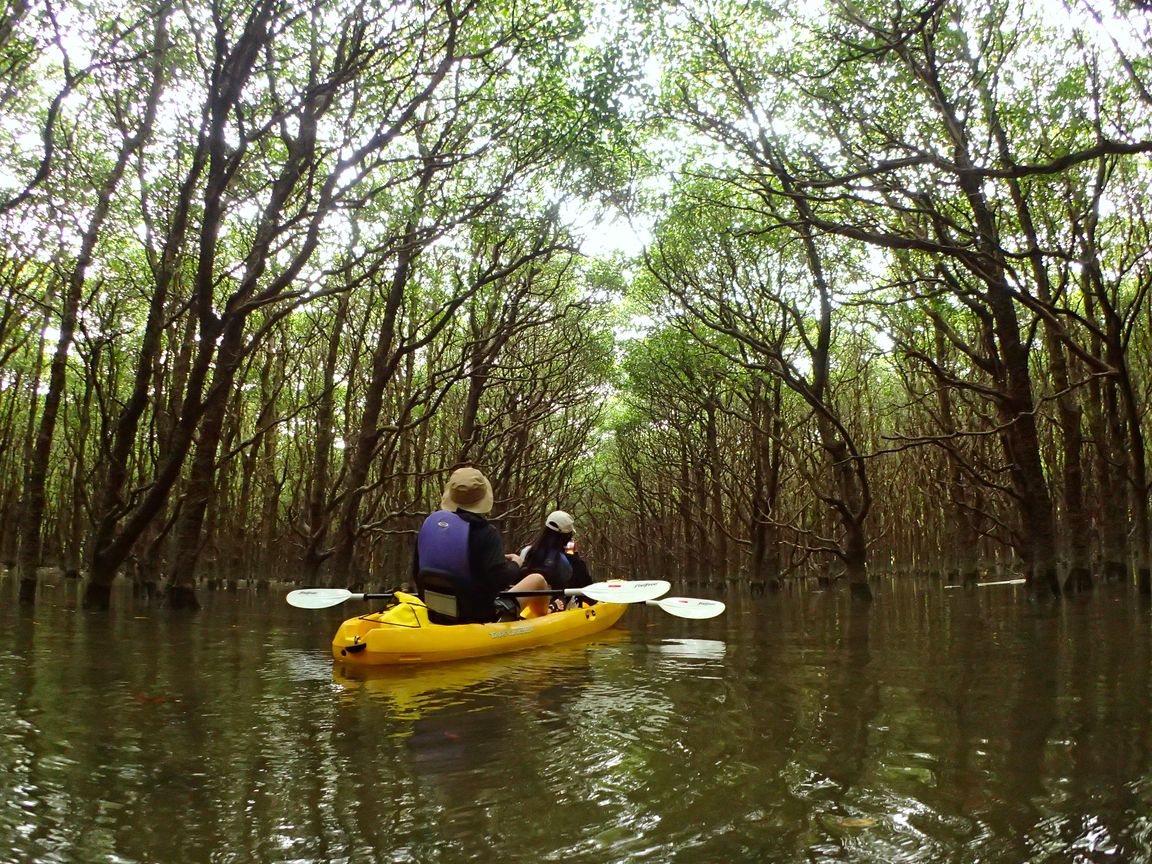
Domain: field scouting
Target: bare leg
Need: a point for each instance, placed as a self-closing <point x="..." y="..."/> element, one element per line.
<point x="533" y="582"/>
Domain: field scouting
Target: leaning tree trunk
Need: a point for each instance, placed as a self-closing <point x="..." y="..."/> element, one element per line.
<point x="1022" y="448"/>
<point x="1068" y="412"/>
<point x="32" y="508"/>
<point x="852" y="504"/>
<point x="115" y="541"/>
<point x="1016" y="405"/>
<point x="73" y="541"/>
<point x="384" y="362"/>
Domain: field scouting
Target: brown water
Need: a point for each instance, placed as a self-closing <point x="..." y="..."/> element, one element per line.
<point x="940" y="726"/>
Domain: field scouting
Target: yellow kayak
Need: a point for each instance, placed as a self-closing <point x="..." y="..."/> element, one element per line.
<point x="402" y="634"/>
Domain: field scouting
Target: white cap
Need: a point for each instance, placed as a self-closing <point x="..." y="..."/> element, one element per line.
<point x="560" y="521"/>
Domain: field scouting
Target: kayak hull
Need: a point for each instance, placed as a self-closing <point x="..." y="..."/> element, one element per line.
<point x="403" y="635"/>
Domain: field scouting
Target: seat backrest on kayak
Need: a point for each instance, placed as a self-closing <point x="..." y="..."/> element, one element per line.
<point x="440" y="591"/>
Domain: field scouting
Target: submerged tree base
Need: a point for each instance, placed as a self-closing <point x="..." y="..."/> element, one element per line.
<point x="860" y="591"/>
<point x="182" y="597"/>
<point x="98" y="596"/>
<point x="145" y="589"/>
<point x="27" y="591"/>
<point x="1079" y="580"/>
<point x="1044" y="580"/>
<point x="1115" y="571"/>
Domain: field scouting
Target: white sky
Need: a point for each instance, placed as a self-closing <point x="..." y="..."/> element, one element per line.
<point x="617" y="235"/>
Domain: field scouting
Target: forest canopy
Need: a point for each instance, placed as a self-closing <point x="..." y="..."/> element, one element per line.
<point x="271" y="269"/>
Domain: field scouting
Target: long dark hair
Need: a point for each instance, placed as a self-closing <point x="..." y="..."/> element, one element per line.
<point x="546" y="549"/>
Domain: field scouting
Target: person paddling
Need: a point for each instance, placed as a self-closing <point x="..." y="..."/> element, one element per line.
<point x="457" y="545"/>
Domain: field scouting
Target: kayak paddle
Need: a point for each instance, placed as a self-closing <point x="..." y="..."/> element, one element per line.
<point x="613" y="591"/>
<point x="982" y="584"/>
<point x="322" y="598"/>
<point x="689" y="607"/>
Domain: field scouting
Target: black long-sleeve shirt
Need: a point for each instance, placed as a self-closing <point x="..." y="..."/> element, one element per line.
<point x="490" y="569"/>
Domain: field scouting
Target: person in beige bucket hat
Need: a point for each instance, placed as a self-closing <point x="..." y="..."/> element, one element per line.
<point x="460" y="553"/>
<point x="467" y="489"/>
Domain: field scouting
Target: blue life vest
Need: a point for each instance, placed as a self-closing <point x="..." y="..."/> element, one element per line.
<point x="442" y="544"/>
<point x="556" y="568"/>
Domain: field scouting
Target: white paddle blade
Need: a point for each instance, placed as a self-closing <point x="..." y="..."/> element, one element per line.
<point x="318" y="598"/>
<point x="985" y="584"/>
<point x="624" y="591"/>
<point x="690" y="607"/>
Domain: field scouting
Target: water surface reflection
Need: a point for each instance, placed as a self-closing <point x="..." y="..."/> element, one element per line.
<point x="935" y="726"/>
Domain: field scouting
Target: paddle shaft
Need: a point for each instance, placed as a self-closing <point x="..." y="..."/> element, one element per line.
<point x="681" y="607"/>
<point x="684" y="607"/>
<point x="982" y="584"/>
<point x="612" y="591"/>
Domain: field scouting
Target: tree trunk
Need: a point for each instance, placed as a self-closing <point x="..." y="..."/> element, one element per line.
<point x="318" y="514"/>
<point x="767" y="426"/>
<point x="199" y="488"/>
<point x="30" y="548"/>
<point x="719" y="543"/>
<point x="384" y="360"/>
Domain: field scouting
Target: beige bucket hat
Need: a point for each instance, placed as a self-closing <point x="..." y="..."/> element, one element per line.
<point x="467" y="489"/>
